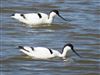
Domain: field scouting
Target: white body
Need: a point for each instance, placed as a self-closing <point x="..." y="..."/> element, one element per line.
<point x="46" y="53"/>
<point x="43" y="53"/>
<point x="34" y="19"/>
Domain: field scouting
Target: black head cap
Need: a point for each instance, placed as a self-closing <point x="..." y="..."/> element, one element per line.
<point x="70" y="45"/>
<point x="72" y="48"/>
<point x="56" y="11"/>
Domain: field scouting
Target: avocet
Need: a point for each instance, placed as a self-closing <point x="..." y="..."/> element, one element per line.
<point x="36" y="18"/>
<point x="46" y="53"/>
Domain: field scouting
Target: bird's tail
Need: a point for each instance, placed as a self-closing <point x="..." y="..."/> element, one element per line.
<point x="18" y="16"/>
<point x="14" y="15"/>
<point x="27" y="50"/>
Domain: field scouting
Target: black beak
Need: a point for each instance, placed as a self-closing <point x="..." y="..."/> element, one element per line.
<point x="62" y="17"/>
<point x="76" y="53"/>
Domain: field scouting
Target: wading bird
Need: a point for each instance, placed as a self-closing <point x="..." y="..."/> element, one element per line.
<point x="37" y="18"/>
<point x="46" y="53"/>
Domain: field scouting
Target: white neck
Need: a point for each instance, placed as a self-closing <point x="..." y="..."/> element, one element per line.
<point x="51" y="16"/>
<point x="65" y="50"/>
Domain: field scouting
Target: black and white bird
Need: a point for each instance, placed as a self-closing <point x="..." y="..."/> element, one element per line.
<point x="46" y="53"/>
<point x="36" y="18"/>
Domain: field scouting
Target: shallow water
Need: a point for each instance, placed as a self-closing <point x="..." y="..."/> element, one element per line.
<point x="82" y="30"/>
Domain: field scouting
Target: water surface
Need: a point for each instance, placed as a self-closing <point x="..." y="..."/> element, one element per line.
<point x="82" y="30"/>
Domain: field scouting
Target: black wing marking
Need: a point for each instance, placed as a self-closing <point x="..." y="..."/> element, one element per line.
<point x="50" y="51"/>
<point x="23" y="15"/>
<point x="21" y="47"/>
<point x="39" y="14"/>
<point x="32" y="48"/>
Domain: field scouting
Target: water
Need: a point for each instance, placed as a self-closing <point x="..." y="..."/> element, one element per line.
<point x="83" y="31"/>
